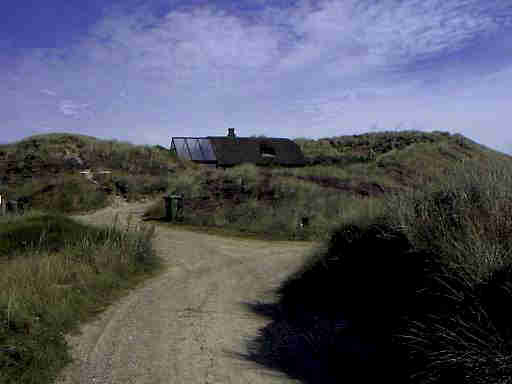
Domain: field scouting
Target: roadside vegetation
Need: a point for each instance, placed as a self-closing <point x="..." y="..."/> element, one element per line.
<point x="56" y="274"/>
<point x="254" y="201"/>
<point x="432" y="269"/>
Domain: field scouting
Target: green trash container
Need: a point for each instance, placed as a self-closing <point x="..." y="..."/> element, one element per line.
<point x="174" y="207"/>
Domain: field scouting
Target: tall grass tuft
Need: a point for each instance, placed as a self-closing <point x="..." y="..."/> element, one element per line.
<point x="465" y="217"/>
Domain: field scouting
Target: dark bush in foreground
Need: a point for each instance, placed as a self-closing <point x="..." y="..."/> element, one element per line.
<point x="417" y="295"/>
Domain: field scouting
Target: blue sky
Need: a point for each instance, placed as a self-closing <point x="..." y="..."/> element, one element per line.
<point x="144" y="71"/>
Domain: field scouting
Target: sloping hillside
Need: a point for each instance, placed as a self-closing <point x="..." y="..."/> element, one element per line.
<point x="397" y="158"/>
<point x="345" y="176"/>
<point x="413" y="293"/>
<point x="44" y="171"/>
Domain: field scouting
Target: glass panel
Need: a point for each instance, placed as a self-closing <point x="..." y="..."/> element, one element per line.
<point x="200" y="149"/>
<point x="193" y="144"/>
<point x="181" y="148"/>
<point x="206" y="146"/>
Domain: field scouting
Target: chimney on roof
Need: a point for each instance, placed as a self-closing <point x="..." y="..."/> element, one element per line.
<point x="231" y="132"/>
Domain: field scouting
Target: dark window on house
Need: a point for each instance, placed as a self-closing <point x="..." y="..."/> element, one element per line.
<point x="266" y="150"/>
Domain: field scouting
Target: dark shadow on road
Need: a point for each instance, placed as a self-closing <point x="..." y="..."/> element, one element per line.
<point x="334" y="318"/>
<point x="316" y="348"/>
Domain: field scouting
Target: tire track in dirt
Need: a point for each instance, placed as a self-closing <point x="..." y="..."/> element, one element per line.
<point x="183" y="325"/>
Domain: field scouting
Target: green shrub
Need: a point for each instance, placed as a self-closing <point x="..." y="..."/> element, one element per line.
<point x="37" y="230"/>
<point x="188" y="183"/>
<point x="65" y="193"/>
<point x="249" y="174"/>
<point x="465" y="217"/>
<point x="135" y="186"/>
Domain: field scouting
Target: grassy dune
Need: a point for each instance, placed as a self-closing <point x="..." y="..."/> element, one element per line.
<point x="418" y="293"/>
<point x="57" y="273"/>
<point x="412" y="284"/>
<point x="44" y="171"/>
<point x="347" y="177"/>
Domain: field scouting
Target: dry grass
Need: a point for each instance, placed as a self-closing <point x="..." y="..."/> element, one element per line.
<point x="56" y="274"/>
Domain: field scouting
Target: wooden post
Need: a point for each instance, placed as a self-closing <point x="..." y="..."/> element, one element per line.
<point x="304" y="222"/>
<point x="12" y="206"/>
<point x="3" y="201"/>
<point x="179" y="207"/>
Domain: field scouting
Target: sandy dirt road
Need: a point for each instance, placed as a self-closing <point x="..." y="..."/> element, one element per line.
<point x="182" y="326"/>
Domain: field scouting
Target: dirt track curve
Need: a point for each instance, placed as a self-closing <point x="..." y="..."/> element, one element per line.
<point x="181" y="326"/>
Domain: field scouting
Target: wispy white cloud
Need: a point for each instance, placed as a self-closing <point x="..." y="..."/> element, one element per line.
<point x="315" y="68"/>
<point x="406" y="30"/>
<point x="48" y="92"/>
<point x="72" y="109"/>
<point x="341" y="39"/>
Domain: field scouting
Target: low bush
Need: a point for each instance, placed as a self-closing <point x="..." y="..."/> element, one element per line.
<point x="66" y="193"/>
<point x="37" y="231"/>
<point x="133" y="187"/>
<point x="188" y="183"/>
<point x="248" y="175"/>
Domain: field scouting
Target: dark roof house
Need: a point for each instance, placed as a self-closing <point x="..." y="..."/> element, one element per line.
<point x="231" y="150"/>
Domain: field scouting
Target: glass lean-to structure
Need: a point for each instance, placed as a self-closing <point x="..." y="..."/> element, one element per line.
<point x="194" y="148"/>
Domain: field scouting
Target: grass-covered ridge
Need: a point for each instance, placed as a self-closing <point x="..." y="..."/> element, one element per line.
<point x="44" y="171"/>
<point x="57" y="273"/>
<point x="432" y="269"/>
<point x="377" y="142"/>
<point x="347" y="176"/>
<point x="417" y="246"/>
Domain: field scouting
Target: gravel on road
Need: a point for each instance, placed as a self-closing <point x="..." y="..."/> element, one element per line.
<point x="184" y="325"/>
